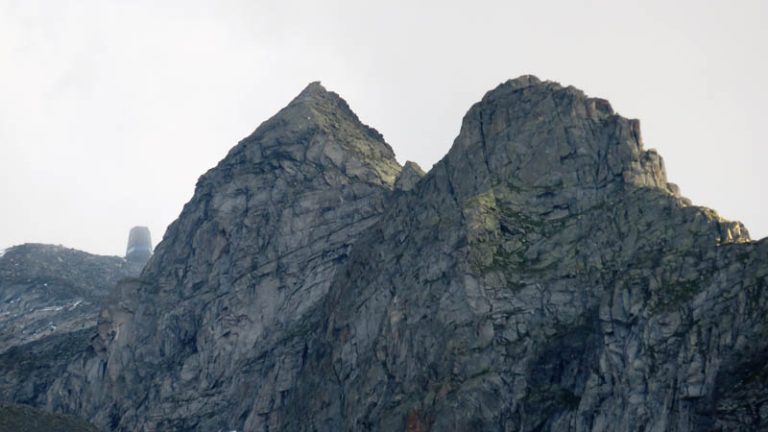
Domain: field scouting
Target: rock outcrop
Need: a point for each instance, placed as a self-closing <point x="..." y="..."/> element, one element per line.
<point x="409" y="176"/>
<point x="139" y="248"/>
<point x="50" y="298"/>
<point x="48" y="290"/>
<point x="544" y="275"/>
<point x="214" y="332"/>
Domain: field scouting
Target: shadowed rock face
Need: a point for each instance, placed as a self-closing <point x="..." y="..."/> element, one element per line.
<point x="48" y="290"/>
<point x="50" y="297"/>
<point x="543" y="275"/>
<point x="19" y="418"/>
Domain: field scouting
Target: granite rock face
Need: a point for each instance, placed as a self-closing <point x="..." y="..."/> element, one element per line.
<point x="544" y="275"/>
<point x="214" y="333"/>
<point x="409" y="176"/>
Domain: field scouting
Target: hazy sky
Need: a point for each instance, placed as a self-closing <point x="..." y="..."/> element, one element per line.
<point x="111" y="109"/>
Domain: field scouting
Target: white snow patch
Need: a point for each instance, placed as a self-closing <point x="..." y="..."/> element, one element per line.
<point x="2" y="252"/>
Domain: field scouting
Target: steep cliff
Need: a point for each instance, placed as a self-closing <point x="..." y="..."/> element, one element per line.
<point x="214" y="332"/>
<point x="544" y="275"/>
<point x="20" y="418"/>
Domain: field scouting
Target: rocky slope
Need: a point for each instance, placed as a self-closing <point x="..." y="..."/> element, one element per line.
<point x="214" y="333"/>
<point x="409" y="176"/>
<point x="20" y="418"/>
<point x="50" y="297"/>
<point x="48" y="290"/>
<point x="543" y="276"/>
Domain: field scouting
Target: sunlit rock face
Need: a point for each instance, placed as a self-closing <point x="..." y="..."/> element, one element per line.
<point x="544" y="275"/>
<point x="139" y="248"/>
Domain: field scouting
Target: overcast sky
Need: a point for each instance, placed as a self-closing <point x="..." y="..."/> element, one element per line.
<point x="111" y="109"/>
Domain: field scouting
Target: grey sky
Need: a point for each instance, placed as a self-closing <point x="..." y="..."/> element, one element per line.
<point x="111" y="109"/>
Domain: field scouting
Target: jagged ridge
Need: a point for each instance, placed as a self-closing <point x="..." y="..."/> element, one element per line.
<point x="219" y="316"/>
<point x="542" y="276"/>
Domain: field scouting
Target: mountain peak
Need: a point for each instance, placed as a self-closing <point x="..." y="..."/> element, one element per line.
<point x="520" y="82"/>
<point x="319" y="127"/>
<point x="323" y="102"/>
<point x="313" y="90"/>
<point x="314" y="93"/>
<point x="532" y="84"/>
<point x="409" y="176"/>
<point x="538" y="278"/>
<point x="541" y="135"/>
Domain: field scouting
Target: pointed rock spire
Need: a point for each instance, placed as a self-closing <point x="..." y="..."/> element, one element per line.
<point x="409" y="176"/>
<point x="313" y="90"/>
<point x="319" y="127"/>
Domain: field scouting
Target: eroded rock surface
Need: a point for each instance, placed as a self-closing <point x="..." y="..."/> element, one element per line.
<point x="409" y="176"/>
<point x="544" y="275"/>
<point x="213" y="334"/>
<point x="50" y="297"/>
<point x="48" y="290"/>
<point x="20" y="418"/>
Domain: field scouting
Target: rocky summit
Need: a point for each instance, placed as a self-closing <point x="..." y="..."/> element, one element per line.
<point x="20" y="418"/>
<point x="543" y="276"/>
